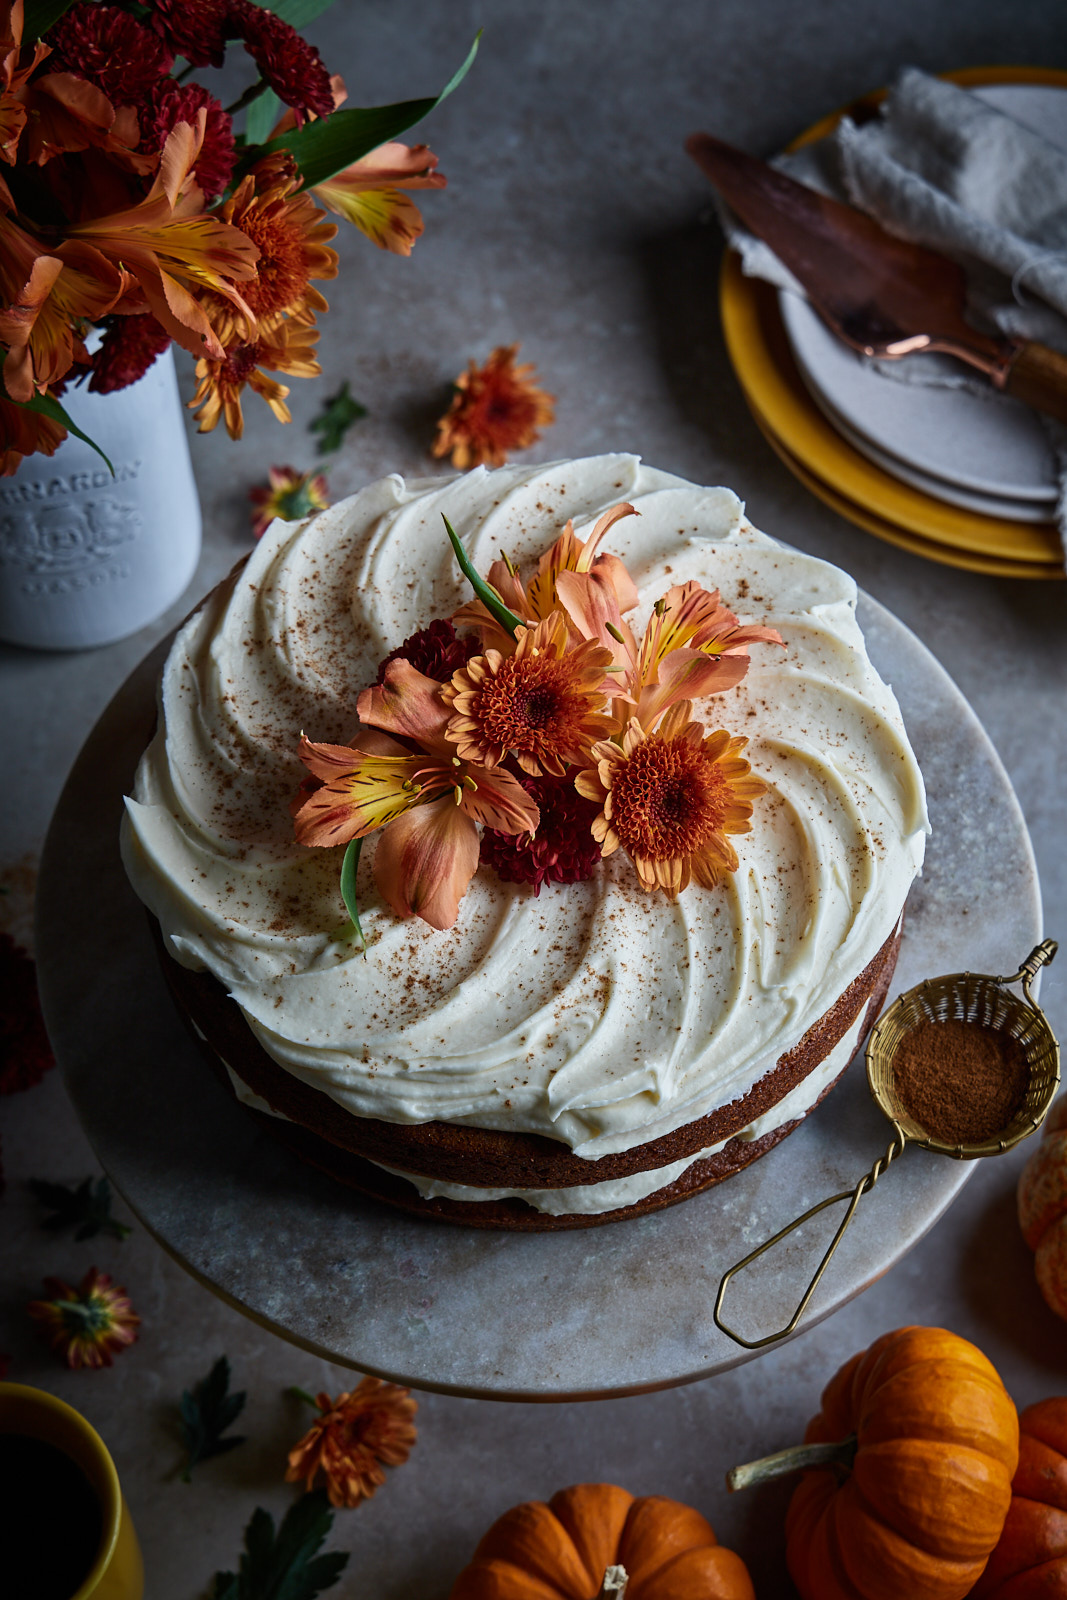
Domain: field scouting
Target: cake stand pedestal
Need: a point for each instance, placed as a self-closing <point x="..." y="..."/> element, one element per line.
<point x="610" y="1310"/>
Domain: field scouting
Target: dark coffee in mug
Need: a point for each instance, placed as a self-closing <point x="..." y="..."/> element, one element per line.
<point x="50" y="1521"/>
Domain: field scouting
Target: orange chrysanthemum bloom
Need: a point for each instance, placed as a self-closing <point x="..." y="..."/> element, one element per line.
<point x="670" y="798"/>
<point x="543" y="704"/>
<point x="285" y="348"/>
<point x="353" y="1437"/>
<point x="289" y="232"/>
<point x="495" y="409"/>
<point x="88" y="1323"/>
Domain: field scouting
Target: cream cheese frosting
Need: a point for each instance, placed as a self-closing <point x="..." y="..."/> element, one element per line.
<point x="595" y="1014"/>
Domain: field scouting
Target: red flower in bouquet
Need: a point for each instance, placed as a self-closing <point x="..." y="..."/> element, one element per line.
<point x="110" y="49"/>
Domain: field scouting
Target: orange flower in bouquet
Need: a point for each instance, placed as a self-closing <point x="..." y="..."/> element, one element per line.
<point x="130" y="204"/>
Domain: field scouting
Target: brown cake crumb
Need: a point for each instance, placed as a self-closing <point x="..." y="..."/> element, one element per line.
<point x="962" y="1082"/>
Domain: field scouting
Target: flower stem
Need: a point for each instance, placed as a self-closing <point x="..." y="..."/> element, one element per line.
<point x="302" y="1394"/>
<point x="253" y="92"/>
<point x="795" y="1459"/>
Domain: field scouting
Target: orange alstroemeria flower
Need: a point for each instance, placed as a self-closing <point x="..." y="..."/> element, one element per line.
<point x="409" y="782"/>
<point x="543" y="702"/>
<point x="692" y="646"/>
<point x="174" y="248"/>
<point x="536" y="600"/>
<point x="670" y="798"/>
<point x="13" y="76"/>
<point x="45" y="293"/>
<point x="25" y="433"/>
<point x="367" y="192"/>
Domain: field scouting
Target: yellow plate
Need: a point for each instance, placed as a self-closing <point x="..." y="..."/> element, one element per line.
<point x="827" y="465"/>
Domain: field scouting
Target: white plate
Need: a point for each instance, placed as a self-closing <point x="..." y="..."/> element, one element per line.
<point x="989" y="446"/>
<point x="608" y="1310"/>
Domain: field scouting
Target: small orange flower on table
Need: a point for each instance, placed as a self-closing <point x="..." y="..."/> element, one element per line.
<point x="352" y="1438"/>
<point x="87" y="1324"/>
<point x="495" y="410"/>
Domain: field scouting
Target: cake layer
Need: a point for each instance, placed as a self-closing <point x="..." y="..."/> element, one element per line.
<point x="595" y="1018"/>
<point x="494" y="1158"/>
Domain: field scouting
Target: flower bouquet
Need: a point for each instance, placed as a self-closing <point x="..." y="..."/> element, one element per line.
<point x="132" y="203"/>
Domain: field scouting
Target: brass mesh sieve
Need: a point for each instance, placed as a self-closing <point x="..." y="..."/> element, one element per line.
<point x="973" y="998"/>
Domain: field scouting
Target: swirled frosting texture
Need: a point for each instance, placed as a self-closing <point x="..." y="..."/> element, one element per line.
<point x="595" y="1014"/>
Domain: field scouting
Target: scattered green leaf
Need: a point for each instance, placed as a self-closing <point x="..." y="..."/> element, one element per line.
<point x="486" y="594"/>
<point x="206" y="1413"/>
<point x="86" y="1208"/>
<point x="286" y="1566"/>
<point x="335" y="416"/>
<point x="332" y="143"/>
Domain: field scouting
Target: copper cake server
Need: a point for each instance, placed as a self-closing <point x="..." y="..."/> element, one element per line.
<point x="882" y="295"/>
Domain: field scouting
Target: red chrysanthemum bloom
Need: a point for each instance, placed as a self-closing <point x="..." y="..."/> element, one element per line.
<point x="495" y="409"/>
<point x="130" y="345"/>
<point x="436" y="651"/>
<point x="562" y="850"/>
<point x="544" y="704"/>
<point x="89" y="1324"/>
<point x="170" y="103"/>
<point x="351" y="1440"/>
<point x="670" y="798"/>
<point x="291" y="66"/>
<point x="111" y="49"/>
<point x="195" y="29"/>
<point x="25" y="1053"/>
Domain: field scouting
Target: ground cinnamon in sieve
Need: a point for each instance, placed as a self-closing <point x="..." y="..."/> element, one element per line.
<point x="960" y="1081"/>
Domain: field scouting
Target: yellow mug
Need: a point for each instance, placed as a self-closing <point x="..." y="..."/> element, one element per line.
<point x="113" y="1570"/>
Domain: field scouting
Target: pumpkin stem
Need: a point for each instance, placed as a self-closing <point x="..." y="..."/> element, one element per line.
<point x="795" y="1459"/>
<point x="614" y="1584"/>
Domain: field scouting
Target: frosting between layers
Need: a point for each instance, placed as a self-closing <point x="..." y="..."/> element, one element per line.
<point x="595" y="1014"/>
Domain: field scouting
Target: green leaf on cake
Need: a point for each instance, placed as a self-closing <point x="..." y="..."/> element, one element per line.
<point x="336" y="415"/>
<point x="349" y="868"/>
<point x="86" y="1209"/>
<point x="484" y="591"/>
<point x="205" y="1415"/>
<point x="286" y="1565"/>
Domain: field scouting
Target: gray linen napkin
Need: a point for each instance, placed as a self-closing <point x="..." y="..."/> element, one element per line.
<point x="944" y="169"/>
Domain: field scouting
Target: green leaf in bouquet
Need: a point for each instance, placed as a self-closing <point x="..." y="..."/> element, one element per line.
<point x="329" y="145"/>
<point x="40" y="15"/>
<point x="298" y="13"/>
<point x="261" y="116"/>
<point x="46" y="406"/>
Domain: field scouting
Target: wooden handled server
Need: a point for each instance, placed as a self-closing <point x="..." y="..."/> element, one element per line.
<point x="881" y="295"/>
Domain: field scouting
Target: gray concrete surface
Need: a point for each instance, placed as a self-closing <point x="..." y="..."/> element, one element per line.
<point x="574" y="223"/>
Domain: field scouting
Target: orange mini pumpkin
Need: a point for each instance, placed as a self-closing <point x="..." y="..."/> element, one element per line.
<point x="1030" y="1559"/>
<point x="562" y="1551"/>
<point x="1042" y="1198"/>
<point x="936" y="1440"/>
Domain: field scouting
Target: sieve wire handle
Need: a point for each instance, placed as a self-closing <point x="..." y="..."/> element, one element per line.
<point x="1042" y="955"/>
<point x="854" y="1196"/>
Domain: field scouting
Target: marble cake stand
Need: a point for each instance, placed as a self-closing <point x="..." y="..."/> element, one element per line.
<point x="602" y="1311"/>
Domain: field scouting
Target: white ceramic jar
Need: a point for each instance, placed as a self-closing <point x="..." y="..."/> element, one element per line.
<point x="86" y="558"/>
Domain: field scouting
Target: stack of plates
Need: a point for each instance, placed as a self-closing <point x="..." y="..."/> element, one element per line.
<point x="963" y="478"/>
